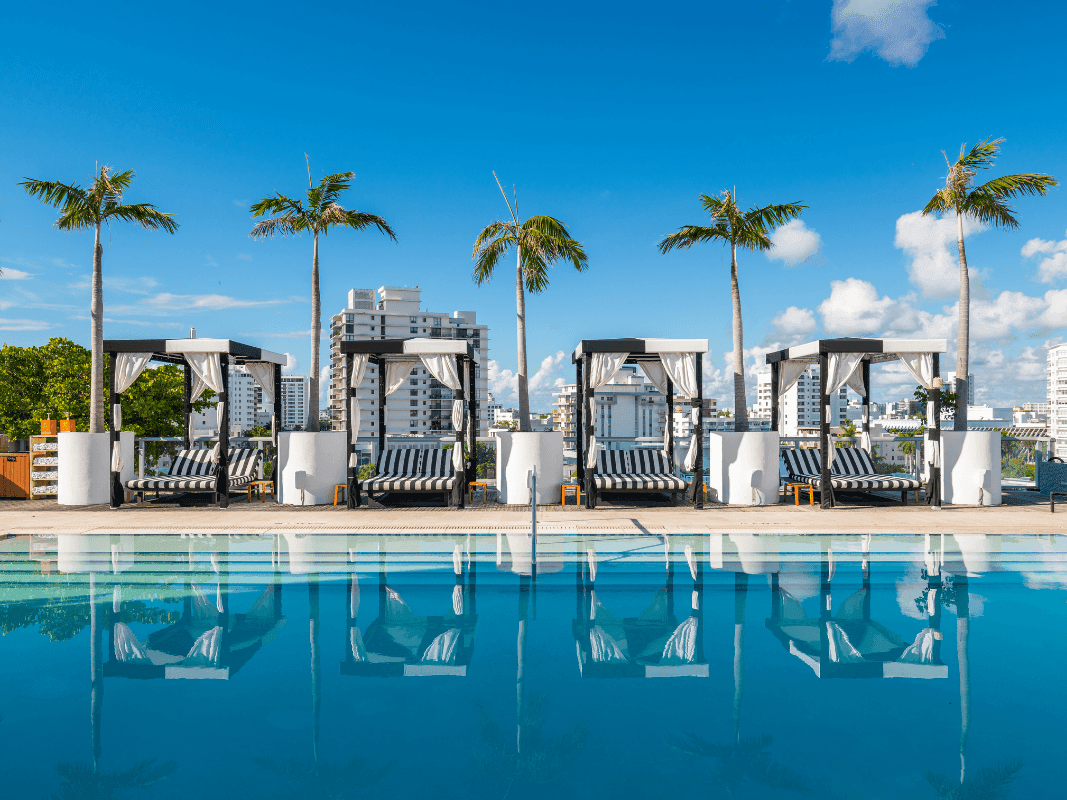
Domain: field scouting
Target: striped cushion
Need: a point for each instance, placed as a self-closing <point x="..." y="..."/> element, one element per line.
<point x="802" y="461"/>
<point x="638" y="482"/>
<point x="394" y="483"/>
<point x="400" y="461"/>
<point x="437" y="464"/>
<point x="199" y="461"/>
<point x="188" y="484"/>
<point x="650" y="462"/>
<point x="850" y="461"/>
<point x="243" y="461"/>
<point x="613" y="462"/>
<point x="868" y="483"/>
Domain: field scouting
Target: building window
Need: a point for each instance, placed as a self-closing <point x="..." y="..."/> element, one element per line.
<point x="414" y="403"/>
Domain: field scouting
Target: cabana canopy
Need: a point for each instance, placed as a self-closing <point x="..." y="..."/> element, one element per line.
<point x="206" y="363"/>
<point x="669" y="364"/>
<point x="450" y="361"/>
<point x="848" y="361"/>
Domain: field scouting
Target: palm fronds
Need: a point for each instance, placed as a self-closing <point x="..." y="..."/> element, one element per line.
<point x="81" y="782"/>
<point x="745" y="760"/>
<point x="989" y="783"/>
<point x="749" y="230"/>
<point x="81" y="208"/>
<point x="543" y="241"/>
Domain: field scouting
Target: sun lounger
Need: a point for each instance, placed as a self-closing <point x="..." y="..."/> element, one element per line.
<point x="411" y="470"/>
<point x="194" y="471"/>
<point x="635" y="471"/>
<point x="851" y="471"/>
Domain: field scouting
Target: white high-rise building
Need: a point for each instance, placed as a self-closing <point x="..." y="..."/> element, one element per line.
<point x="628" y="407"/>
<point x="801" y="402"/>
<point x="246" y="406"/>
<point x="423" y="406"/>
<point x="950" y="385"/>
<point x="1057" y="397"/>
<point x="295" y="389"/>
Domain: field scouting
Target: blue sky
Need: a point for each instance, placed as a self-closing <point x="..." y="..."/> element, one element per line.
<point x="613" y="118"/>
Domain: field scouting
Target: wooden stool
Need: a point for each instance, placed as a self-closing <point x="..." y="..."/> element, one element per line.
<point x="260" y="485"/>
<point x="796" y="487"/>
<point x="342" y="487"/>
<point x="577" y="487"/>
<point x="485" y="491"/>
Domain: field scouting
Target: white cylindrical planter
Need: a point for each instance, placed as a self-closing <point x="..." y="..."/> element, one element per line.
<point x="519" y="453"/>
<point x="970" y="467"/>
<point x="85" y="467"/>
<point x="743" y="468"/>
<point x="310" y="465"/>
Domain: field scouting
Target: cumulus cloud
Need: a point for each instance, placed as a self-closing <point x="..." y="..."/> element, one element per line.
<point x="291" y="364"/>
<point x="930" y="244"/>
<point x="794" y="325"/>
<point x="502" y="382"/>
<point x="897" y="31"/>
<point x="549" y="366"/>
<point x="23" y="325"/>
<point x="854" y="309"/>
<point x="12" y="274"/>
<point x="794" y="243"/>
<point x="1054" y="263"/>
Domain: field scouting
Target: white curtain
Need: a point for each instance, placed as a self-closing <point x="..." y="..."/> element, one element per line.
<point x="128" y="367"/>
<point x="359" y="369"/>
<point x="789" y="373"/>
<point x="128" y="649"/>
<point x="655" y="373"/>
<point x="602" y="368"/>
<point x="396" y="372"/>
<point x="220" y="410"/>
<point x="444" y="368"/>
<point x="681" y="368"/>
<point x="457" y="600"/>
<point x="841" y="367"/>
<point x="921" y="365"/>
<point x="263" y="372"/>
<point x="207" y="370"/>
<point x="681" y="647"/>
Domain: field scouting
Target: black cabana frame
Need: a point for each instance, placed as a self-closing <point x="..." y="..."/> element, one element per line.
<point x="876" y="351"/>
<point x="172" y="351"/>
<point x="380" y="352"/>
<point x="638" y="350"/>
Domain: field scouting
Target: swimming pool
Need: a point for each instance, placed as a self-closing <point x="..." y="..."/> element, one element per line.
<point x="404" y="666"/>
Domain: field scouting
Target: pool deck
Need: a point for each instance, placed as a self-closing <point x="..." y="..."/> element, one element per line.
<point x="1028" y="513"/>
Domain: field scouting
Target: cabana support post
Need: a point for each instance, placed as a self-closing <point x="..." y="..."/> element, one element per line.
<point x="187" y="406"/>
<point x="590" y="398"/>
<point x="579" y="409"/>
<point x="866" y="410"/>
<point x="698" y="469"/>
<point x="933" y="434"/>
<point x="352" y="490"/>
<point x="380" y="364"/>
<point x="826" y="492"/>
<point x="472" y="426"/>
<point x="459" y="492"/>
<point x="670" y="425"/>
<point x="113" y="400"/>
<point x="775" y="371"/>
<point x="222" y="480"/>
<point x="277" y="423"/>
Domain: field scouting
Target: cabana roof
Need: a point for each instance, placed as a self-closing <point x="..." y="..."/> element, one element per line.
<point x="411" y="347"/>
<point x="639" y="349"/>
<point x="171" y="350"/>
<point x="880" y="350"/>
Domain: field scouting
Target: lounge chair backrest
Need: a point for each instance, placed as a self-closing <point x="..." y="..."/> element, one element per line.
<point x="650" y="462"/>
<point x="400" y="461"/>
<point x="852" y="461"/>
<point x="244" y="461"/>
<point x="438" y="464"/>
<point x="613" y="462"/>
<point x="802" y="461"/>
<point x="193" y="463"/>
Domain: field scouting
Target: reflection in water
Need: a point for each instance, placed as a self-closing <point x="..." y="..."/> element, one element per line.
<point x="151" y="609"/>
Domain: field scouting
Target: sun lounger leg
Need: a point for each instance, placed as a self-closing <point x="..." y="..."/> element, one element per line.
<point x="904" y="497"/>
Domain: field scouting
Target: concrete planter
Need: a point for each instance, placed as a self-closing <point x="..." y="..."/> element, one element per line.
<point x="970" y="467"/>
<point x="310" y="465"/>
<point x="85" y="467"/>
<point x="517" y="454"/>
<point x="743" y="468"/>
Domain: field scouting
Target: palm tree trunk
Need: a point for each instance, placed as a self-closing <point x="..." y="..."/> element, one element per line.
<point x="740" y="401"/>
<point x="316" y="335"/>
<point x="520" y="322"/>
<point x="96" y="340"/>
<point x="963" y="347"/>
<point x="963" y="636"/>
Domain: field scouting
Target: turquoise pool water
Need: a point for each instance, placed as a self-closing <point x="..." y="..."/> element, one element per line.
<point x="333" y="666"/>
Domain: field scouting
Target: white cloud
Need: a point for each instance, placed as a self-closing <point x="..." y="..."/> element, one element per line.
<point x="23" y="325"/>
<point x="934" y="267"/>
<point x="794" y="243"/>
<point x="1054" y="265"/>
<point x="11" y="274"/>
<point x="549" y="366"/>
<point x="165" y="301"/>
<point x="897" y="31"/>
<point x="794" y="325"/>
<point x="291" y="365"/>
<point x="854" y="309"/>
<point x="244" y="256"/>
<point x="502" y="382"/>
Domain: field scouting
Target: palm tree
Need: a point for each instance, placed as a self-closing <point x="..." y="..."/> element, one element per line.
<point x="539" y="242"/>
<point x="321" y="213"/>
<point x="986" y="203"/>
<point x="95" y="207"/>
<point x="749" y="230"/>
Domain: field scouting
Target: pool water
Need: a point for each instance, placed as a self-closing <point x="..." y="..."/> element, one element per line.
<point x="394" y="666"/>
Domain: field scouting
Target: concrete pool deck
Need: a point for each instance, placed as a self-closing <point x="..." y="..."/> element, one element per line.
<point x="1028" y="514"/>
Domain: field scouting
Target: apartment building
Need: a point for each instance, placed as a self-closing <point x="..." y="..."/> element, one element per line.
<point x="801" y="402"/>
<point x="950" y="385"/>
<point x="248" y="407"/>
<point x="627" y="408"/>
<point x="423" y="407"/>
<point x="1057" y="397"/>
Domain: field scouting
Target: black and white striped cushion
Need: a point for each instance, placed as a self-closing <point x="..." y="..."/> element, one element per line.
<point x="850" y="461"/>
<point x="244" y="461"/>
<point x="802" y="462"/>
<point x="613" y="462"/>
<point x="189" y="463"/>
<point x="400" y="461"/>
<point x="438" y="464"/>
<point x="187" y="484"/>
<point x="639" y="482"/>
<point x="395" y="483"/>
<point x="868" y="483"/>
<point x="650" y="462"/>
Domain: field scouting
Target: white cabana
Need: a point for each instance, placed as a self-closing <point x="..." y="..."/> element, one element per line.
<point x="848" y="361"/>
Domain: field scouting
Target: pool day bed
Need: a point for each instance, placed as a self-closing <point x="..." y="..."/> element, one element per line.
<point x="206" y="363"/>
<point x="852" y="470"/>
